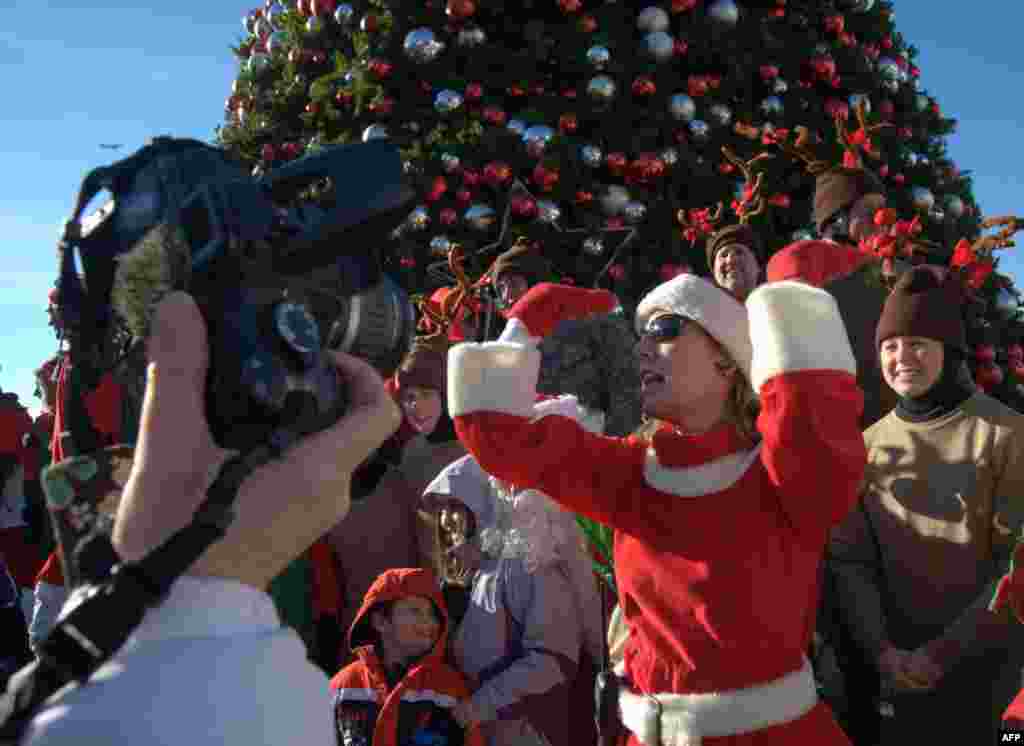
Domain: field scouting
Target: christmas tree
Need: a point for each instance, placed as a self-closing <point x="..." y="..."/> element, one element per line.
<point x="599" y="129"/>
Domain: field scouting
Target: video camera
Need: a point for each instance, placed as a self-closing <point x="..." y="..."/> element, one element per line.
<point x="279" y="279"/>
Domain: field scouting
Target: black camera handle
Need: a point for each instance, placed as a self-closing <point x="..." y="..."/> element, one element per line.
<point x="92" y="630"/>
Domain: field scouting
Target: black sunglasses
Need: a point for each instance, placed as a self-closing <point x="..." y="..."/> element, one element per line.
<point x="665" y="327"/>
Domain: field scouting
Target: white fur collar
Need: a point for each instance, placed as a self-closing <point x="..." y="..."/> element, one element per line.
<point x="696" y="481"/>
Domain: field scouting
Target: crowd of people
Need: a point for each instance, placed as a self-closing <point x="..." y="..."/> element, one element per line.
<point x="811" y="521"/>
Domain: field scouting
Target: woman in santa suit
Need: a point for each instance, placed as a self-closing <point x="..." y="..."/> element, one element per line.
<point x="720" y="522"/>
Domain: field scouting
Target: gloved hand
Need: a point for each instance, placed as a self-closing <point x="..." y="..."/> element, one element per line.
<point x="546" y="304"/>
<point x="815" y="262"/>
<point x="1010" y="591"/>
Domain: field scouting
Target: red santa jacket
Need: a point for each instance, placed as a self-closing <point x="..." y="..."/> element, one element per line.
<point x="418" y="709"/>
<point x="717" y="544"/>
<point x="102" y="403"/>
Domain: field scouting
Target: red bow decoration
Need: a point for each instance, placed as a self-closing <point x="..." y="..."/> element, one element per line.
<point x="975" y="262"/>
<point x="895" y="241"/>
<point x="698" y="222"/>
<point x="858" y="141"/>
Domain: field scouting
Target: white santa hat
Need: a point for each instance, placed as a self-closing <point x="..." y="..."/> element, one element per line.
<point x="718" y="313"/>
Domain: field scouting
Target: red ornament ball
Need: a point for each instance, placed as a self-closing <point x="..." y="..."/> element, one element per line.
<point x="497" y="173"/>
<point x="474" y="92"/>
<point x="524" y="207"/>
<point x="494" y="115"/>
<point x="570" y="6"/>
<point x="545" y="178"/>
<point x="644" y="86"/>
<point x="460" y="9"/>
<point x="568" y="124"/>
<point x="463" y="196"/>
<point x="616" y="163"/>
<point x="617" y="272"/>
<point x="448" y="217"/>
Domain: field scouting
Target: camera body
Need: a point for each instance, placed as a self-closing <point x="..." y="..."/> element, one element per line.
<point x="280" y="280"/>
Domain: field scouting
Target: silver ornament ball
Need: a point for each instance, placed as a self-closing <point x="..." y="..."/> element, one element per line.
<point x="548" y="212"/>
<point x="634" y="211"/>
<point x="517" y="126"/>
<point x="450" y="162"/>
<point x="536" y="139"/>
<point x="669" y="156"/>
<point x="891" y="86"/>
<point x="593" y="246"/>
<point x="772" y="107"/>
<point x="440" y="245"/>
<point x="1006" y="303"/>
<point x="888" y="69"/>
<point x="259" y="63"/>
<point x="700" y="132"/>
<point x="249" y="23"/>
<point x="422" y="46"/>
<point x="275" y="16"/>
<point x="599" y="57"/>
<point x="860" y="99"/>
<point x="277" y="42"/>
<point x="803" y="234"/>
<point x="470" y="37"/>
<point x="419" y="218"/>
<point x="592" y="156"/>
<point x="954" y="206"/>
<point x="480" y="217"/>
<point x="682" y="107"/>
<point x="652" y="19"/>
<point x="375" y="132"/>
<point x="614" y="200"/>
<point x="720" y="115"/>
<point x="659" y="46"/>
<point x="724" y="13"/>
<point x="937" y="214"/>
<point x="447" y="101"/>
<point x="780" y="86"/>
<point x="344" y="14"/>
<point x="922" y="198"/>
<point x="601" y="89"/>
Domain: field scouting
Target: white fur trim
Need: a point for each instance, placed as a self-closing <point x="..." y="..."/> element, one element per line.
<point x="796" y="327"/>
<point x="687" y="719"/>
<point x="718" y="313"/>
<point x="696" y="481"/>
<point x="427" y="695"/>
<point x="355" y="695"/>
<point x="492" y="377"/>
<point x="516" y="331"/>
<point x="591" y="420"/>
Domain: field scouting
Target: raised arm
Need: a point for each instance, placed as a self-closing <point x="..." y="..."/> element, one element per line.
<point x="491" y="395"/>
<point x="804" y="371"/>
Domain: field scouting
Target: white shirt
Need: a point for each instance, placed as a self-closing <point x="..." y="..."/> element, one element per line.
<point x="211" y="665"/>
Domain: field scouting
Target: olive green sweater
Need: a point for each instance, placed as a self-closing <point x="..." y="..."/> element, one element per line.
<point x="945" y="501"/>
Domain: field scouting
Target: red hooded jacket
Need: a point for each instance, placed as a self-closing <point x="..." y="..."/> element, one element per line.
<point x="418" y="709"/>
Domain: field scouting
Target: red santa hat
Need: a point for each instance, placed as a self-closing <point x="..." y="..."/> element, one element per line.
<point x="718" y="313"/>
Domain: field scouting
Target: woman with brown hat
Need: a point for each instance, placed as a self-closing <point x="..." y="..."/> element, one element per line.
<point x="942" y="501"/>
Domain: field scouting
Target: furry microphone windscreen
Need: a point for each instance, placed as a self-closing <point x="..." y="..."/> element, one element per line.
<point x="592" y="359"/>
<point x="155" y="265"/>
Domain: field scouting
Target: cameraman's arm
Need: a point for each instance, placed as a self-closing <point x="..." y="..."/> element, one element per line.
<point x="283" y="506"/>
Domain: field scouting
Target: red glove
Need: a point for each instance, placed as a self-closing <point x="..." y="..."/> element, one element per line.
<point x="546" y="304"/>
<point x="1010" y="591"/>
<point x="814" y="262"/>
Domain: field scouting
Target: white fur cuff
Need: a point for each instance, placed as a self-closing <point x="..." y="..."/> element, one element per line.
<point x="492" y="377"/>
<point x="516" y="331"/>
<point x="794" y="326"/>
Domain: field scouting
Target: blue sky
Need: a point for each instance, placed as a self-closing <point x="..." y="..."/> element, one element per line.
<point x="76" y="76"/>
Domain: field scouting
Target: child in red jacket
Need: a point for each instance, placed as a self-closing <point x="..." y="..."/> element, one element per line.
<point x="399" y="691"/>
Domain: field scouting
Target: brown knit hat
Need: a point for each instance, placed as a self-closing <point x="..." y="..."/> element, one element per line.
<point x="924" y="303"/>
<point x="841" y="187"/>
<point x="526" y="259"/>
<point x="426" y="364"/>
<point x="740" y="233"/>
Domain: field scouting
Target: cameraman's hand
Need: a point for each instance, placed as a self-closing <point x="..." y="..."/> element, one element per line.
<point x="283" y="506"/>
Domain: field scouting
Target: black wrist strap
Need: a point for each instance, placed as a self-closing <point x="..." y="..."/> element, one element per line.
<point x="92" y="630"/>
